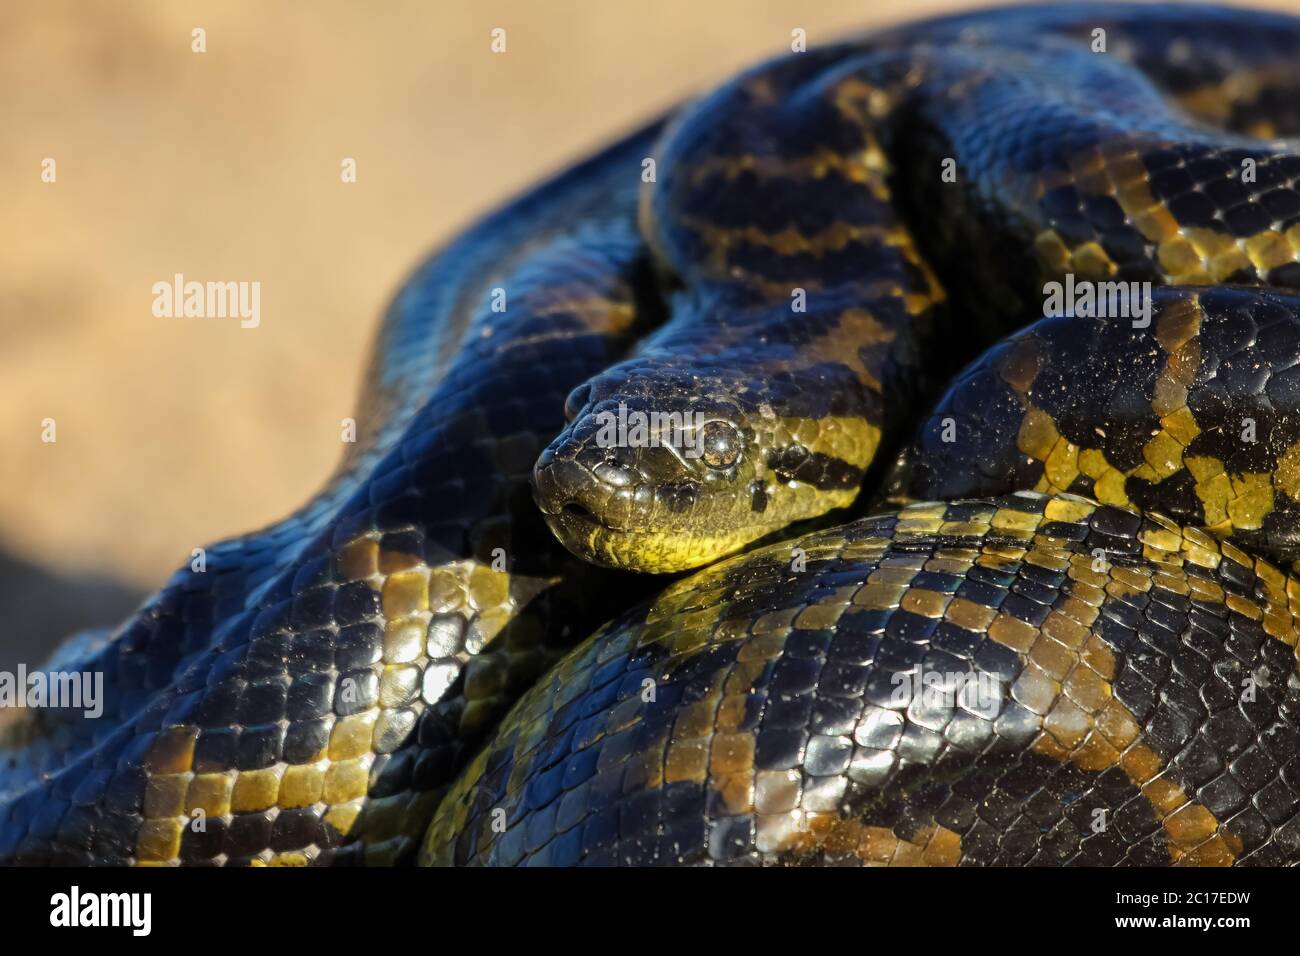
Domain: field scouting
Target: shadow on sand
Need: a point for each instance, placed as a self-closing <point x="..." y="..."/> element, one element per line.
<point x="40" y="607"/>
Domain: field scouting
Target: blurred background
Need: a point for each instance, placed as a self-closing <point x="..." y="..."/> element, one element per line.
<point x="225" y="165"/>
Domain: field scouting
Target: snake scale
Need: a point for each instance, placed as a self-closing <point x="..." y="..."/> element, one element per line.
<point x="957" y="579"/>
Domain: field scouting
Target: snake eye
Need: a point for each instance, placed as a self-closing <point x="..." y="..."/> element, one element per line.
<point x="720" y="444"/>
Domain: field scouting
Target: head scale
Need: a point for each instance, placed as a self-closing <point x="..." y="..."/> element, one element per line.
<point x="663" y="468"/>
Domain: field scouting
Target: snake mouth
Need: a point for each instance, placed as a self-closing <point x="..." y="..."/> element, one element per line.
<point x="620" y="494"/>
<point x="567" y="495"/>
<point x="575" y="521"/>
<point x="571" y="496"/>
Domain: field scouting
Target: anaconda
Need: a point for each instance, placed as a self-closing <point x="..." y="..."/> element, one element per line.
<point x="727" y="326"/>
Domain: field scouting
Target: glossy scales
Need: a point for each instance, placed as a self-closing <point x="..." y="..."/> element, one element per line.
<point x="803" y="705"/>
<point x="1196" y="416"/>
<point x="305" y="698"/>
<point x="844" y="227"/>
<point x="799" y="275"/>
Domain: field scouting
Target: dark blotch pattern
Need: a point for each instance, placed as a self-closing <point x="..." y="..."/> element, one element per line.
<point x="1028" y="680"/>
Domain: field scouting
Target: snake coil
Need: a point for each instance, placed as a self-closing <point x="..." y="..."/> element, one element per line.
<point x="1043" y="613"/>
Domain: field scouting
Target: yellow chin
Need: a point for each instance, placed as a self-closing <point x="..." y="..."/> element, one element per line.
<point x="665" y="552"/>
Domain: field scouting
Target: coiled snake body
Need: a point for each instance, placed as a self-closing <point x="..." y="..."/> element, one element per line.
<point x="1064" y="634"/>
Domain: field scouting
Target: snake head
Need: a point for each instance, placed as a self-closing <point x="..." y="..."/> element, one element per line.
<point x="663" y="468"/>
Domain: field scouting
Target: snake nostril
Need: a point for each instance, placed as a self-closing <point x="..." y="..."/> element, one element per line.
<point x="573" y="509"/>
<point x="576" y="401"/>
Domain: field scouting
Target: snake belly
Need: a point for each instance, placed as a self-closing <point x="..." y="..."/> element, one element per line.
<point x="1014" y="674"/>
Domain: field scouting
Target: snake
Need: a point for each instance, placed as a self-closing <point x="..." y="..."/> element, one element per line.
<point x="913" y="425"/>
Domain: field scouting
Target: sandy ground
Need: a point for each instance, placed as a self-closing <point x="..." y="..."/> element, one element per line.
<point x="225" y="165"/>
